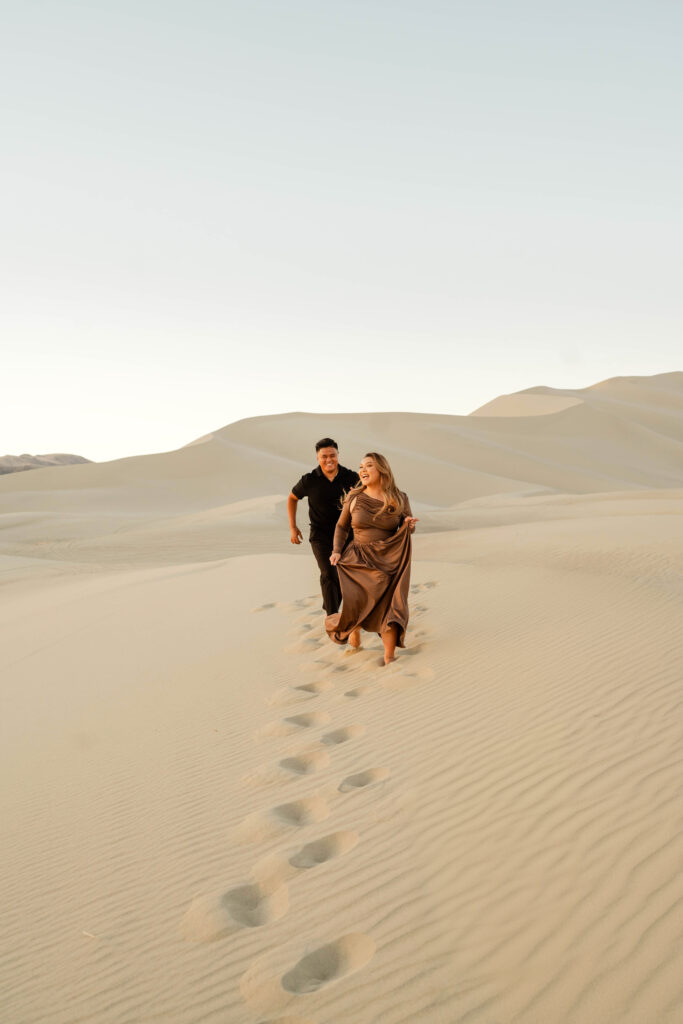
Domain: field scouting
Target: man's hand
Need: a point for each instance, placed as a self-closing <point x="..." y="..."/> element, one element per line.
<point x="295" y="534"/>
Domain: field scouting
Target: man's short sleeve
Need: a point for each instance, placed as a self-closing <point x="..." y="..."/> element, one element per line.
<point x="300" y="488"/>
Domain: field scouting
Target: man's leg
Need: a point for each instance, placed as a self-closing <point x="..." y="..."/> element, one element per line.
<point x="329" y="580"/>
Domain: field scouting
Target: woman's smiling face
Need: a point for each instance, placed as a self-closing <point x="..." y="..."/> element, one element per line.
<point x="368" y="472"/>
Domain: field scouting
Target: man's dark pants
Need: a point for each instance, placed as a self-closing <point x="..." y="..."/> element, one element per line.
<point x="329" y="580"/>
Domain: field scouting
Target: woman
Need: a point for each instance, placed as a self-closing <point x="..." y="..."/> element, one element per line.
<point x="374" y="570"/>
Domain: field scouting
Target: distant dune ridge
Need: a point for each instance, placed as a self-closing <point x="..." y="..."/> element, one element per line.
<point x="212" y="814"/>
<point x="227" y="488"/>
<point x="18" y="463"/>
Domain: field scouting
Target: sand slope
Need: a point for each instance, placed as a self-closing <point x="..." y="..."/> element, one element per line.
<point x="188" y="504"/>
<point x="211" y="814"/>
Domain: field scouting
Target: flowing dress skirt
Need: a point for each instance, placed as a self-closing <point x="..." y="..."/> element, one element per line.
<point x="375" y="578"/>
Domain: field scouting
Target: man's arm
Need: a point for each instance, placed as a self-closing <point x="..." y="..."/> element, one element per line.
<point x="295" y="534"/>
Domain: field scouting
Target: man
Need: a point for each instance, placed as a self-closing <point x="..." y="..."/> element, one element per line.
<point x="324" y="488"/>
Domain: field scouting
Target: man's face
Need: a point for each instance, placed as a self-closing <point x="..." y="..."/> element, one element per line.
<point x="328" y="459"/>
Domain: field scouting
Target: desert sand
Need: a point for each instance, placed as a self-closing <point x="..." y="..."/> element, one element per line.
<point x="212" y="814"/>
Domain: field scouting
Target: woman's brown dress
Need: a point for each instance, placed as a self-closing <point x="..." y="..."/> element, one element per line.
<point x="374" y="570"/>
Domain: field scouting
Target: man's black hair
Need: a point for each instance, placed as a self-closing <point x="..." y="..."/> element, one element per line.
<point x="326" y="442"/>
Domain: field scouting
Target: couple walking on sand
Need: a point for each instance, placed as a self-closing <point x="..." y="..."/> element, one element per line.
<point x="361" y="526"/>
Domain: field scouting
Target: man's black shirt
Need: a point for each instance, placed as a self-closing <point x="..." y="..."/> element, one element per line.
<point x="324" y="498"/>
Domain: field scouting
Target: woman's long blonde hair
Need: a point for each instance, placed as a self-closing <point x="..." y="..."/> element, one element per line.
<point x="393" y="498"/>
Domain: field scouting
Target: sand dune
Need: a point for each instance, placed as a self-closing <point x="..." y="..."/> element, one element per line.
<point x="184" y="505"/>
<point x="527" y="403"/>
<point x="20" y="463"/>
<point x="212" y="814"/>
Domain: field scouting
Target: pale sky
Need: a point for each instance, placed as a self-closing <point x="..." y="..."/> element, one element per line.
<point x="214" y="209"/>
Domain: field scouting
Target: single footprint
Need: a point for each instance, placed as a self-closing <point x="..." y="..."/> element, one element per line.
<point x="306" y="764"/>
<point x="417" y="588"/>
<point x="286" y="727"/>
<point x="329" y="963"/>
<point x="362" y="780"/>
<point x="260" y="826"/>
<point x="286" y="695"/>
<point x="343" y="735"/>
<point x="264" y="607"/>
<point x="306" y="811"/>
<point x="321" y="686"/>
<point x="321" y="850"/>
<point x="358" y="691"/>
<point x="309" y="719"/>
<point x="250" y="906"/>
<point x="246" y="906"/>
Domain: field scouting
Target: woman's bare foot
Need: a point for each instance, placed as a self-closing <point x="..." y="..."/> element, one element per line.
<point x="354" y="638"/>
<point x="389" y="639"/>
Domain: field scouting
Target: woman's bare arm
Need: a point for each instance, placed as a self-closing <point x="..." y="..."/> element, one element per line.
<point x="341" y="532"/>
